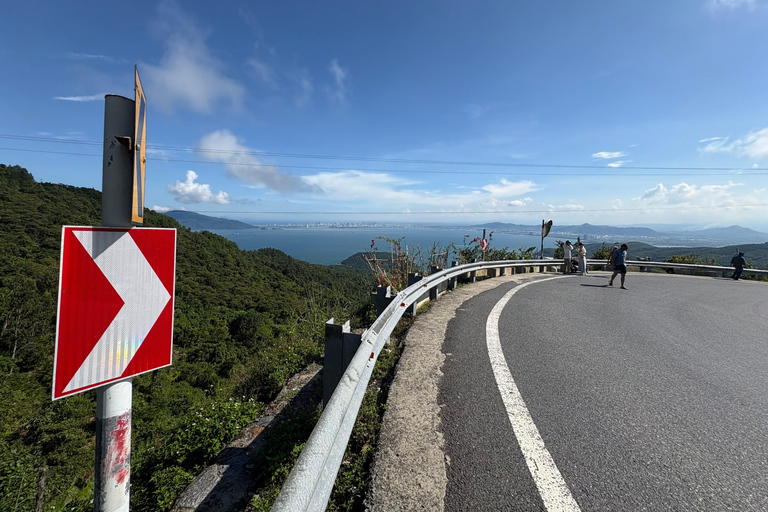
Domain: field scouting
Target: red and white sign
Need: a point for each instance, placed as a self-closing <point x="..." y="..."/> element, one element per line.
<point x="115" y="317"/>
<point x="484" y="244"/>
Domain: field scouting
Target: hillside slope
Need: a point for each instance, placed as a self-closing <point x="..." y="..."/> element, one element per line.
<point x="244" y="322"/>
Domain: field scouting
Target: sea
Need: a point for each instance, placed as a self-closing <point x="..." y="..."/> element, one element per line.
<point x="331" y="245"/>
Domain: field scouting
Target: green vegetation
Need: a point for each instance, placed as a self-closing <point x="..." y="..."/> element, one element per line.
<point x="288" y="438"/>
<point x="691" y="259"/>
<point x="244" y="322"/>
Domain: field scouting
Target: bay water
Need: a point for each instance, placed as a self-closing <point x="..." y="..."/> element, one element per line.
<point x="330" y="245"/>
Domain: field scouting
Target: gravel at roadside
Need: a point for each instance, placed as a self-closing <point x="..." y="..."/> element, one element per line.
<point x="409" y="469"/>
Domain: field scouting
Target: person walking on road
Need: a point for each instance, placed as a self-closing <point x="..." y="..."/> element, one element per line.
<point x="738" y="262"/>
<point x="620" y="264"/>
<point x="610" y="257"/>
<point x="567" y="255"/>
<point x="581" y="252"/>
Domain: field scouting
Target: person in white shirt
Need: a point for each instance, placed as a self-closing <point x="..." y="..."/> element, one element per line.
<point x="567" y="254"/>
<point x="581" y="252"/>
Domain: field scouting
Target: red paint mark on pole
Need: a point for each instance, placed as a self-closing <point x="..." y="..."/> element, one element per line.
<point x="119" y="451"/>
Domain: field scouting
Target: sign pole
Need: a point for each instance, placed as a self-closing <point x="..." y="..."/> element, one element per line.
<point x="545" y="227"/>
<point x="114" y="401"/>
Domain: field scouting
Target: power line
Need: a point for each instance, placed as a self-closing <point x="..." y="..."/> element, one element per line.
<point x="381" y="159"/>
<point x="751" y="172"/>
<point x="49" y="139"/>
<point x="517" y="212"/>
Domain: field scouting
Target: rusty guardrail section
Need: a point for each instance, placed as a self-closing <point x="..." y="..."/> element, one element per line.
<point x="311" y="480"/>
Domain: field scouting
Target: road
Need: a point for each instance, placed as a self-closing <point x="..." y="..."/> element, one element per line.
<point x="652" y="398"/>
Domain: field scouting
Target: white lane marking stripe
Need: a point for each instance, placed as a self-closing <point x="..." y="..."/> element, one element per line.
<point x="550" y="483"/>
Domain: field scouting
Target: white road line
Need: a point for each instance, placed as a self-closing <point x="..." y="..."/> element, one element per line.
<point x="552" y="488"/>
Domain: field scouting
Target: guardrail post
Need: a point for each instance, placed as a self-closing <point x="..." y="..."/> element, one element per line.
<point x="381" y="298"/>
<point x="413" y="278"/>
<point x="473" y="274"/>
<point x="340" y="347"/>
<point x="434" y="292"/>
<point x="350" y="342"/>
<point x="452" y="280"/>
<point x="332" y="370"/>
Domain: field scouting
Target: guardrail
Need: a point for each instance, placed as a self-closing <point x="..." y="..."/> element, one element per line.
<point x="687" y="266"/>
<point x="311" y="480"/>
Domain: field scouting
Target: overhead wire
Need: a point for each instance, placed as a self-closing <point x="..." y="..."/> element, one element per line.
<point x="458" y="212"/>
<point x="753" y="170"/>
<point x="723" y="171"/>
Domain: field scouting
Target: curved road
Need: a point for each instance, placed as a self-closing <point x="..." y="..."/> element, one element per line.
<point x="652" y="398"/>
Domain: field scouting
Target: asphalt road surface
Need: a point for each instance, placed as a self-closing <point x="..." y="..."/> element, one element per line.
<point x="602" y="399"/>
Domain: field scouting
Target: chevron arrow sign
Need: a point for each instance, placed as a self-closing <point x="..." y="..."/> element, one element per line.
<point x="115" y="314"/>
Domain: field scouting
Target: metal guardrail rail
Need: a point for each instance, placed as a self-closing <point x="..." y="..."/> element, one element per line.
<point x="311" y="480"/>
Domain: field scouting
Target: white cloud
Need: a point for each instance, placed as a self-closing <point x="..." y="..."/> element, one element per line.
<point x="567" y="207"/>
<point x="222" y="146"/>
<point x="379" y="190"/>
<point x="91" y="57"/>
<point x="510" y="188"/>
<point x="691" y="195"/>
<point x="520" y="202"/>
<point x="725" y="204"/>
<point x="608" y="155"/>
<point x="263" y="72"/>
<point x="476" y="110"/>
<point x="753" y="145"/>
<point x="732" y="4"/>
<point x="339" y="91"/>
<point x="162" y="209"/>
<point x="94" y="97"/>
<point x="189" y="191"/>
<point x="189" y="73"/>
<point x="305" y="89"/>
<point x="617" y="163"/>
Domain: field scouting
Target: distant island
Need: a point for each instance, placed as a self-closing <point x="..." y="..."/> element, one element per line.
<point x="198" y="222"/>
<point x="721" y="236"/>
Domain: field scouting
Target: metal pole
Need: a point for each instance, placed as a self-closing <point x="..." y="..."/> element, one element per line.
<point x="114" y="401"/>
<point x="541" y="254"/>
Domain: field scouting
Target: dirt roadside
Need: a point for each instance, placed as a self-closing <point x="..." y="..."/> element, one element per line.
<point x="409" y="469"/>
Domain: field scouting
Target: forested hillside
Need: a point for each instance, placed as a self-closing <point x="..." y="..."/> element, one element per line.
<point x="244" y="322"/>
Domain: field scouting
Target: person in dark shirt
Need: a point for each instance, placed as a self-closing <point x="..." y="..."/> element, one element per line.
<point x="619" y="258"/>
<point x="738" y="262"/>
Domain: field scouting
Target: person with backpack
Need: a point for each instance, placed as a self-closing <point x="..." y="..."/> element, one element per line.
<point x="610" y="258"/>
<point x="738" y="262"/>
<point x="619" y="258"/>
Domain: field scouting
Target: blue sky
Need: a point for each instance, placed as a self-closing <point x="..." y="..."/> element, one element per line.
<point x="622" y="113"/>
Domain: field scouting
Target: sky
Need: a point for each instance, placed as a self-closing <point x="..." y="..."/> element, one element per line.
<point x="601" y="112"/>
